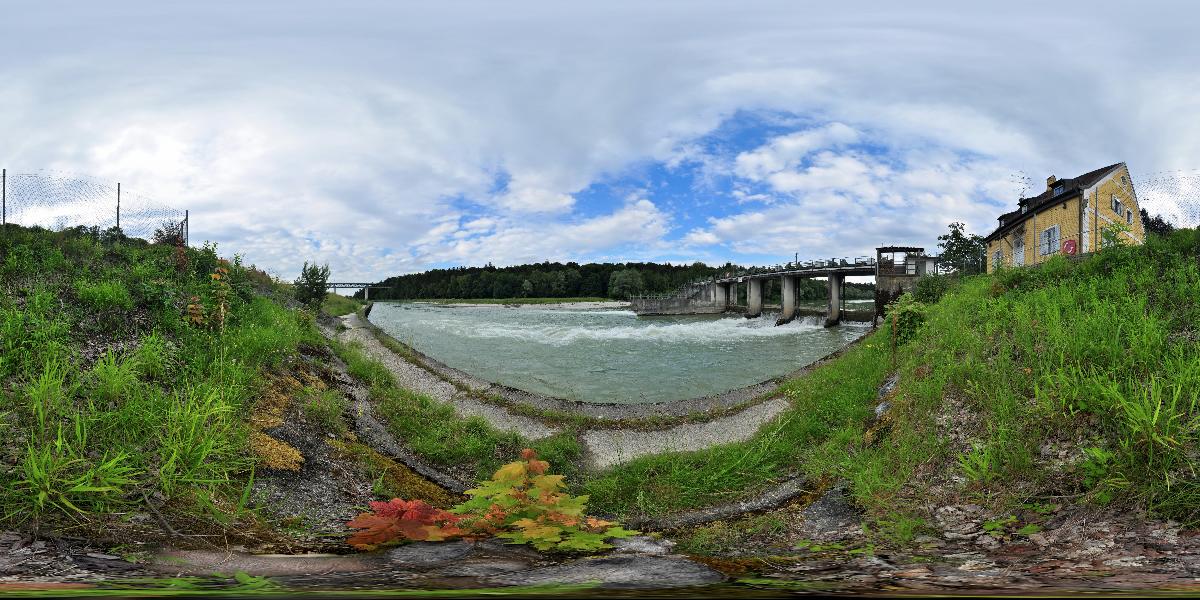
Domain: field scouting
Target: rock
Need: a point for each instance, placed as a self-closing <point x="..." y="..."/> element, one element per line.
<point x="888" y="385"/>
<point x="913" y="573"/>
<point x="987" y="541"/>
<point x="1039" y="539"/>
<point x="430" y="554"/>
<point x="881" y="409"/>
<point x="483" y="567"/>
<point x="642" y="544"/>
<point x="928" y="540"/>
<point x="832" y="513"/>
<point x="976" y="565"/>
<point x="627" y="571"/>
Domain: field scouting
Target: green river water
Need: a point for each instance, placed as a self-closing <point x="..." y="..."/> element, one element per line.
<point x="610" y="355"/>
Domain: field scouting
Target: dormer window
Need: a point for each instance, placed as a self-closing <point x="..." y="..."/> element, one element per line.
<point x="1024" y="208"/>
<point x="1058" y="189"/>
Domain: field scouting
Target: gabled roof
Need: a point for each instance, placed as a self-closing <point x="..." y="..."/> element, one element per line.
<point x="1070" y="187"/>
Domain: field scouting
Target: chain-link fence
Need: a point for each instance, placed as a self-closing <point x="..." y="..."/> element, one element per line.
<point x="59" y="201"/>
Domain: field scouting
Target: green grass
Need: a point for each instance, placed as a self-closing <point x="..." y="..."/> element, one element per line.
<point x="828" y="408"/>
<point x="161" y="410"/>
<point x="338" y="305"/>
<point x="326" y="408"/>
<point x="1103" y="350"/>
<point x="432" y="429"/>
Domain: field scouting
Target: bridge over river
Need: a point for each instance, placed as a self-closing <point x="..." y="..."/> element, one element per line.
<point x="895" y="269"/>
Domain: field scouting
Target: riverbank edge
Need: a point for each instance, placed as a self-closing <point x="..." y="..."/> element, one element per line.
<point x="587" y="415"/>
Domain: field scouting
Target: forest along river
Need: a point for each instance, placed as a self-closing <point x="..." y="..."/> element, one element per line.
<point x="610" y="355"/>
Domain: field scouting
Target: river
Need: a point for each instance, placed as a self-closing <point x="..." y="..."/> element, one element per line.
<point x="610" y="355"/>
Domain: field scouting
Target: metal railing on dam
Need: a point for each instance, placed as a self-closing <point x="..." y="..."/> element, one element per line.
<point x="895" y="269"/>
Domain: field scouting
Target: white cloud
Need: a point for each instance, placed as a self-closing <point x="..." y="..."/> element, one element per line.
<point x="785" y="152"/>
<point x="372" y="136"/>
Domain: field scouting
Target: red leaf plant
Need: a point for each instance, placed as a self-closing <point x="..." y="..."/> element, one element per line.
<point x="402" y="519"/>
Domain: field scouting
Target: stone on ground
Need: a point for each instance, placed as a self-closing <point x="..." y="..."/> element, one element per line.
<point x="621" y="571"/>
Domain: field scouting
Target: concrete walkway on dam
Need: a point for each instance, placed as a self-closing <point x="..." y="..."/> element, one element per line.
<point x="603" y="447"/>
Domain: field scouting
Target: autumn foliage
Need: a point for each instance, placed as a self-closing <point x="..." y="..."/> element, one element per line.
<point x="521" y="503"/>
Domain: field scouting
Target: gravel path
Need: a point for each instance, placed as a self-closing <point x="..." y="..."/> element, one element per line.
<point x="608" y="447"/>
<point x="416" y="379"/>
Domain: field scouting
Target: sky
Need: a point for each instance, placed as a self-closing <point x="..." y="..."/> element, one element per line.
<point x="392" y="137"/>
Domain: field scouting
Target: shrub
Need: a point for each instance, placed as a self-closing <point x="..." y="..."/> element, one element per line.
<point x="907" y="316"/>
<point x="169" y="233"/>
<point x="521" y="503"/>
<point x="19" y="261"/>
<point x="310" y="286"/>
<point x="931" y="288"/>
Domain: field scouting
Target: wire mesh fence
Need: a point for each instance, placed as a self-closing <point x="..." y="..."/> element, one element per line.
<point x="1173" y="195"/>
<point x="60" y="201"/>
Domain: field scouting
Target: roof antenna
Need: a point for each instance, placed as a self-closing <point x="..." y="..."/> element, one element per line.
<point x="1022" y="182"/>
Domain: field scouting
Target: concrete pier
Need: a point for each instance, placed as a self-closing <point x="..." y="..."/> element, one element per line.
<point x="754" y="298"/>
<point x="721" y="295"/>
<point x="896" y="270"/>
<point x="833" y="315"/>
<point x="787" y="309"/>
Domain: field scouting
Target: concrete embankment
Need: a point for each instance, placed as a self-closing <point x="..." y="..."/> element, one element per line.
<point x="422" y="381"/>
<point x="739" y="416"/>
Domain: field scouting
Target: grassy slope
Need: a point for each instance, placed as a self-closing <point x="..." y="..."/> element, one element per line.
<point x="471" y="446"/>
<point x="1099" y="357"/>
<point x="338" y="305"/>
<point x="108" y="395"/>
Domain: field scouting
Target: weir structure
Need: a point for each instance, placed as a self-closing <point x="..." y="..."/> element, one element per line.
<point x="895" y="269"/>
<point x="349" y="285"/>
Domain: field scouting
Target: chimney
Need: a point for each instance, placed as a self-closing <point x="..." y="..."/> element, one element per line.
<point x="1050" y="182"/>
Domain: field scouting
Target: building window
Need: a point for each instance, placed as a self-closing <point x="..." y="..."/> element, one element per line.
<point x="1129" y="217"/>
<point x="1049" y="241"/>
<point x="1058" y="189"/>
<point x="1117" y="207"/>
<point x="998" y="259"/>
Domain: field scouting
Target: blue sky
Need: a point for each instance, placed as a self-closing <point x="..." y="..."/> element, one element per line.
<point x="388" y="138"/>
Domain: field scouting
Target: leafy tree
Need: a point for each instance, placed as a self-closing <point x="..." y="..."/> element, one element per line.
<point x="962" y="252"/>
<point x="1156" y="225"/>
<point x="624" y="283"/>
<point x="169" y="233"/>
<point x="311" y="285"/>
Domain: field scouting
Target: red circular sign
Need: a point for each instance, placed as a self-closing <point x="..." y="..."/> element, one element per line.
<point x="1068" y="247"/>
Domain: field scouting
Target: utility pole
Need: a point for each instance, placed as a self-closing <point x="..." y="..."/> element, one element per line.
<point x="118" y="206"/>
<point x="3" y="197"/>
<point x="187" y="227"/>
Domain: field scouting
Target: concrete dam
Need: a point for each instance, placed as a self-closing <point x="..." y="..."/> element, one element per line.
<point x="895" y="269"/>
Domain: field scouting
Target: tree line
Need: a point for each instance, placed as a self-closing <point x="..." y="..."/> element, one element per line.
<point x="543" y="280"/>
<point x="571" y="280"/>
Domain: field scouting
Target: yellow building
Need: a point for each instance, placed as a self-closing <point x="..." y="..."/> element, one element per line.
<point x="1070" y="217"/>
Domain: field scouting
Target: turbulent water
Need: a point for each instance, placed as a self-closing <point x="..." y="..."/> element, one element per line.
<point x="606" y="355"/>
